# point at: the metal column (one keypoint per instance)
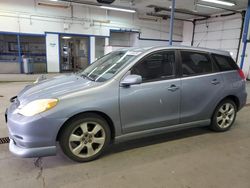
(19, 54)
(245, 35)
(172, 23)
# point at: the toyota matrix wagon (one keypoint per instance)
(126, 94)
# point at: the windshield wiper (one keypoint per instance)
(88, 77)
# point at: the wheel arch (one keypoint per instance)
(103, 115)
(234, 98)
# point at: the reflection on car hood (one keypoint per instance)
(55, 87)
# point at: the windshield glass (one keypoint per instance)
(107, 66)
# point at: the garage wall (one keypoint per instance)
(28, 17)
(132, 39)
(219, 33)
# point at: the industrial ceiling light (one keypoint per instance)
(118, 9)
(207, 6)
(220, 2)
(66, 37)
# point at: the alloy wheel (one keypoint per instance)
(225, 115)
(87, 139)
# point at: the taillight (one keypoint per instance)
(242, 75)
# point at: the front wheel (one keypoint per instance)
(85, 137)
(224, 116)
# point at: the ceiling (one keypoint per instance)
(142, 6)
(182, 4)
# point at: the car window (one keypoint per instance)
(195, 63)
(225, 63)
(106, 67)
(157, 66)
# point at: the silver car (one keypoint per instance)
(126, 94)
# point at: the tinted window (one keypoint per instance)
(157, 66)
(194, 63)
(225, 63)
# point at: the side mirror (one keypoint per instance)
(131, 79)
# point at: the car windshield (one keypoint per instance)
(107, 66)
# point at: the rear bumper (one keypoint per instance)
(31, 152)
(243, 100)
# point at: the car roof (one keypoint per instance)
(175, 47)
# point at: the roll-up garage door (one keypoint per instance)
(219, 33)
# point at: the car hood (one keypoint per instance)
(55, 87)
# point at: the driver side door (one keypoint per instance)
(156, 101)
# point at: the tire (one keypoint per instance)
(85, 137)
(224, 116)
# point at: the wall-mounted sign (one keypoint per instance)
(52, 44)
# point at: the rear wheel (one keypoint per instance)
(224, 116)
(85, 137)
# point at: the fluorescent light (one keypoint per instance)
(207, 6)
(226, 3)
(118, 9)
(66, 37)
(53, 0)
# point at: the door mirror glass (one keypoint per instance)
(131, 79)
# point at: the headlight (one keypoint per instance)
(38, 106)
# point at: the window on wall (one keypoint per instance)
(195, 63)
(157, 66)
(33, 48)
(8, 48)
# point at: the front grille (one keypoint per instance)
(4, 140)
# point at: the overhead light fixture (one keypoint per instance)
(207, 6)
(220, 2)
(53, 0)
(118, 9)
(66, 37)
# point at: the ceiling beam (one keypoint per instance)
(165, 17)
(182, 11)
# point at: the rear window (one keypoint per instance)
(225, 63)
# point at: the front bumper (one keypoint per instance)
(31, 152)
(32, 136)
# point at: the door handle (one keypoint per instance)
(173, 88)
(215, 82)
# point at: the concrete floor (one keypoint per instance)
(192, 158)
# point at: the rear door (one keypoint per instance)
(201, 86)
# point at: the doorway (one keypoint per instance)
(74, 52)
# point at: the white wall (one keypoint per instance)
(52, 51)
(92, 49)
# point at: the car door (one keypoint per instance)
(155, 102)
(201, 86)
